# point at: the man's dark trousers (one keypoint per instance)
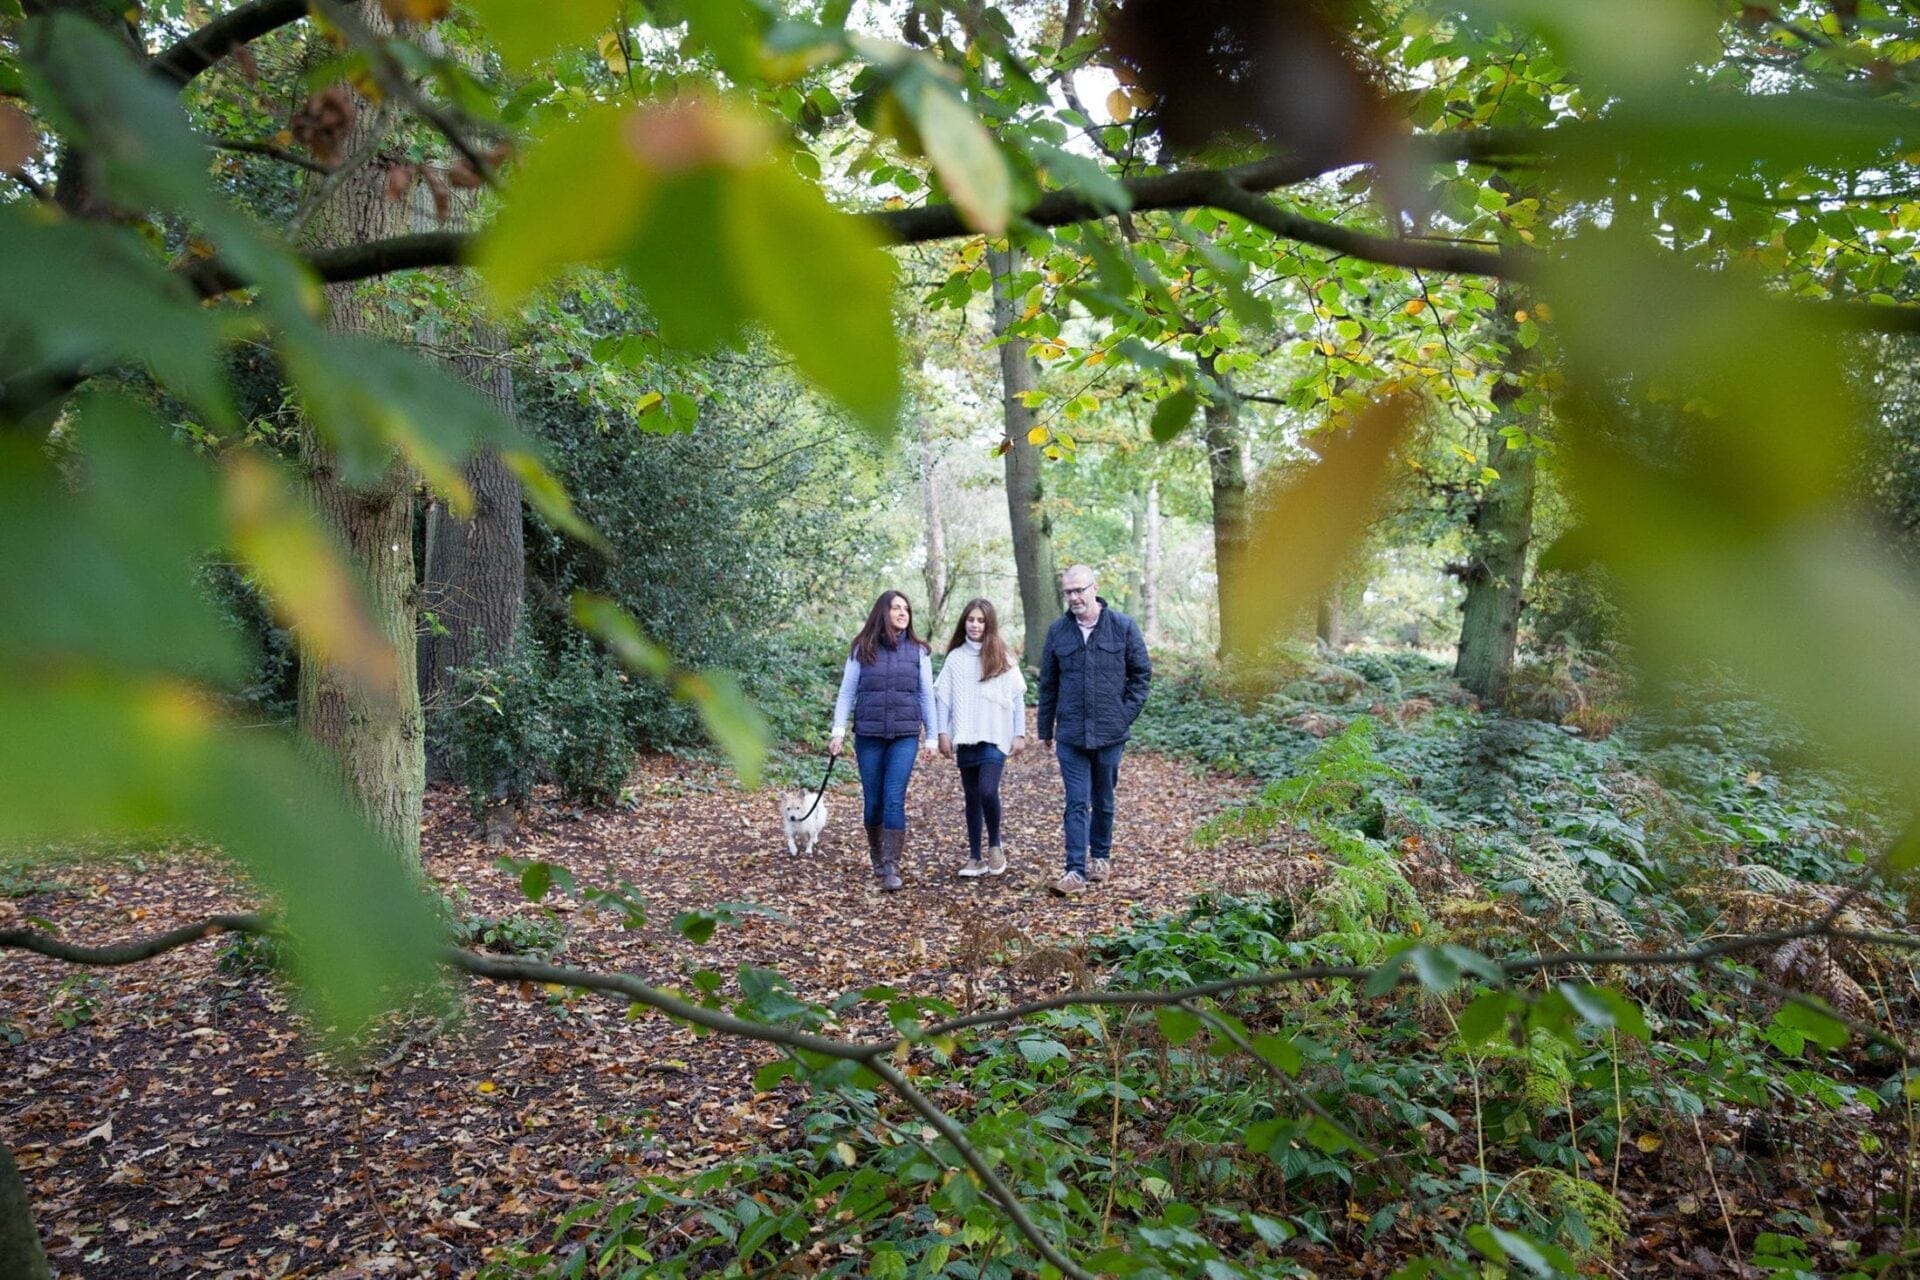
(1089, 775)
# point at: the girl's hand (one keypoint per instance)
(946, 746)
(1019, 745)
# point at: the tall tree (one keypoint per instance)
(1226, 446)
(1501, 525)
(1026, 487)
(936, 533)
(372, 734)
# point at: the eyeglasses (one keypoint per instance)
(1077, 591)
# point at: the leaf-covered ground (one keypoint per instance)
(170, 1120)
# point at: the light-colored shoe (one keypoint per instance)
(1100, 869)
(996, 860)
(973, 869)
(1068, 885)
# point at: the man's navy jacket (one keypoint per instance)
(1091, 691)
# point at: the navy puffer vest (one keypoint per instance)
(886, 702)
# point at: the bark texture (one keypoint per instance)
(374, 737)
(1227, 476)
(20, 1252)
(1502, 532)
(937, 585)
(1026, 486)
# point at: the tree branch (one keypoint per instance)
(271, 151)
(131, 952)
(210, 277)
(1003, 1195)
(214, 41)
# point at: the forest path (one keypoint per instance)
(179, 1125)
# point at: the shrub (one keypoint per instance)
(500, 734)
(592, 747)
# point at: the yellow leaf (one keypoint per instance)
(1648, 1142)
(1415, 306)
(1037, 435)
(612, 54)
(1120, 106)
(415, 10)
(1302, 532)
(485, 1086)
(305, 576)
(648, 402)
(848, 1156)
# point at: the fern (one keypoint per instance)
(1552, 874)
(1331, 782)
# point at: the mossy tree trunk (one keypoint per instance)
(1501, 531)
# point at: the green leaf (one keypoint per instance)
(1484, 1021)
(1821, 1027)
(1279, 1052)
(1177, 1025)
(535, 880)
(696, 927)
(1171, 415)
(1038, 1050)
(550, 498)
(730, 29)
(545, 220)
(964, 154)
(731, 719)
(86, 296)
(1538, 1258)
(1435, 969)
(525, 33)
(112, 756)
(822, 284)
(682, 262)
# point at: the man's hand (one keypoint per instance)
(1047, 743)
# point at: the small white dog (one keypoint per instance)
(798, 823)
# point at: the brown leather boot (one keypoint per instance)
(873, 848)
(892, 845)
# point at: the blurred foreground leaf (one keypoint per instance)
(731, 719)
(1303, 531)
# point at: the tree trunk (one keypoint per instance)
(1326, 622)
(374, 737)
(1502, 530)
(475, 573)
(1150, 567)
(936, 531)
(1026, 490)
(1227, 472)
(20, 1252)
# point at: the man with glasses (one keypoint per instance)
(1094, 674)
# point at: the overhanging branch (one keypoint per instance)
(214, 41)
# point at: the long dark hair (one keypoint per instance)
(876, 632)
(995, 657)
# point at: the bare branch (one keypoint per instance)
(236, 27)
(270, 150)
(131, 952)
(996, 1187)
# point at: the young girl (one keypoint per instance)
(887, 689)
(980, 708)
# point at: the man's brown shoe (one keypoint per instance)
(1100, 869)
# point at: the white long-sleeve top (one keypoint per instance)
(969, 709)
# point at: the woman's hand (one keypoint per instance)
(946, 746)
(833, 745)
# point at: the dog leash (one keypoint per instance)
(820, 792)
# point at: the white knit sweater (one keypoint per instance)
(969, 709)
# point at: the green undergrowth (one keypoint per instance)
(1405, 1107)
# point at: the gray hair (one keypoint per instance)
(1073, 569)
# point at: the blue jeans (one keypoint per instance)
(1089, 776)
(980, 765)
(885, 766)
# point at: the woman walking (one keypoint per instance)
(887, 689)
(980, 707)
